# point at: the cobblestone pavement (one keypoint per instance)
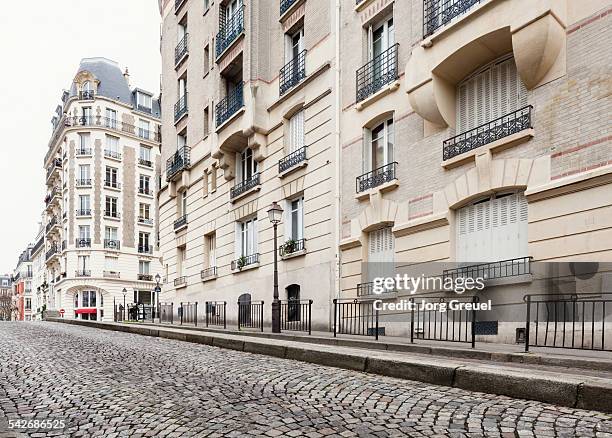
(112, 384)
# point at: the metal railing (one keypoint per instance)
(250, 315)
(145, 249)
(180, 107)
(229, 105)
(146, 163)
(180, 281)
(188, 312)
(118, 312)
(83, 182)
(292, 73)
(180, 223)
(181, 49)
(145, 191)
(208, 272)
(112, 244)
(83, 212)
(216, 313)
(82, 273)
(367, 289)
(377, 73)
(244, 186)
(51, 251)
(166, 313)
(229, 30)
(437, 13)
(291, 247)
(177, 162)
(112, 184)
(285, 5)
(83, 242)
(293, 159)
(355, 317)
(296, 315)
(103, 122)
(111, 274)
(82, 151)
(376, 177)
(490, 271)
(51, 224)
(112, 154)
(86, 95)
(452, 325)
(486, 133)
(112, 214)
(145, 277)
(55, 165)
(245, 261)
(568, 321)
(145, 220)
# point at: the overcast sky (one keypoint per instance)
(41, 46)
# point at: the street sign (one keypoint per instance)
(62, 311)
(157, 289)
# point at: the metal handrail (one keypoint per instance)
(292, 73)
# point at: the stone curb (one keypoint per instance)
(557, 388)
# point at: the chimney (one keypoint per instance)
(126, 75)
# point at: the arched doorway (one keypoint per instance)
(244, 308)
(293, 305)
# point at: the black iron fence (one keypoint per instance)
(489, 271)
(251, 315)
(292, 73)
(487, 133)
(433, 319)
(355, 317)
(229, 105)
(181, 49)
(285, 5)
(291, 160)
(178, 161)
(437, 13)
(181, 222)
(292, 247)
(209, 272)
(118, 312)
(166, 313)
(216, 313)
(229, 29)
(188, 313)
(245, 186)
(296, 315)
(380, 71)
(568, 321)
(180, 107)
(244, 261)
(376, 177)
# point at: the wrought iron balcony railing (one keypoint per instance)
(178, 162)
(83, 151)
(291, 160)
(376, 177)
(86, 95)
(180, 107)
(292, 247)
(230, 105)
(181, 49)
(83, 182)
(146, 163)
(111, 274)
(112, 154)
(285, 5)
(83, 212)
(489, 271)
(144, 133)
(145, 249)
(145, 277)
(179, 281)
(487, 133)
(112, 184)
(145, 191)
(245, 261)
(82, 273)
(105, 122)
(83, 242)
(55, 165)
(437, 13)
(112, 214)
(229, 30)
(244, 186)
(292, 73)
(377, 73)
(51, 251)
(51, 224)
(208, 272)
(144, 109)
(113, 244)
(178, 4)
(145, 220)
(180, 222)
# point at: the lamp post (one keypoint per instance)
(124, 309)
(157, 293)
(275, 213)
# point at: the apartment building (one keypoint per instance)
(248, 120)
(101, 166)
(22, 286)
(476, 134)
(6, 297)
(39, 271)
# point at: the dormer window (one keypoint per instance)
(87, 91)
(143, 102)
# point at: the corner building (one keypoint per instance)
(101, 225)
(249, 119)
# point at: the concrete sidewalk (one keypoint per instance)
(563, 386)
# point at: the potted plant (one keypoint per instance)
(241, 263)
(289, 246)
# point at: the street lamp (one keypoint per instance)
(124, 294)
(157, 292)
(275, 213)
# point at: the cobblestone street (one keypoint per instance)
(111, 384)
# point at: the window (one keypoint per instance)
(206, 5)
(210, 246)
(144, 210)
(145, 184)
(111, 177)
(182, 87)
(205, 183)
(381, 37)
(111, 118)
(143, 128)
(493, 91)
(143, 241)
(181, 140)
(379, 146)
(232, 7)
(84, 174)
(294, 45)
(89, 299)
(380, 254)
(111, 264)
(84, 232)
(84, 204)
(247, 238)
(112, 146)
(83, 263)
(145, 154)
(86, 117)
(28, 303)
(213, 179)
(206, 122)
(111, 207)
(110, 233)
(295, 222)
(181, 256)
(144, 101)
(296, 132)
(84, 142)
(206, 58)
(247, 166)
(183, 204)
(86, 86)
(144, 267)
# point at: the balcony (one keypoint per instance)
(83, 182)
(111, 274)
(112, 214)
(64, 245)
(56, 165)
(178, 4)
(487, 133)
(82, 273)
(83, 212)
(53, 195)
(52, 223)
(38, 245)
(245, 261)
(180, 108)
(112, 184)
(145, 277)
(83, 242)
(145, 191)
(112, 244)
(53, 250)
(376, 178)
(244, 186)
(83, 152)
(285, 5)
(180, 223)
(208, 273)
(229, 31)
(377, 73)
(145, 220)
(292, 73)
(145, 249)
(178, 162)
(367, 289)
(145, 163)
(112, 154)
(438, 13)
(230, 105)
(86, 95)
(292, 247)
(180, 51)
(493, 270)
(180, 281)
(292, 160)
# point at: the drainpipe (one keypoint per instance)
(337, 140)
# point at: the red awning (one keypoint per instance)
(80, 311)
